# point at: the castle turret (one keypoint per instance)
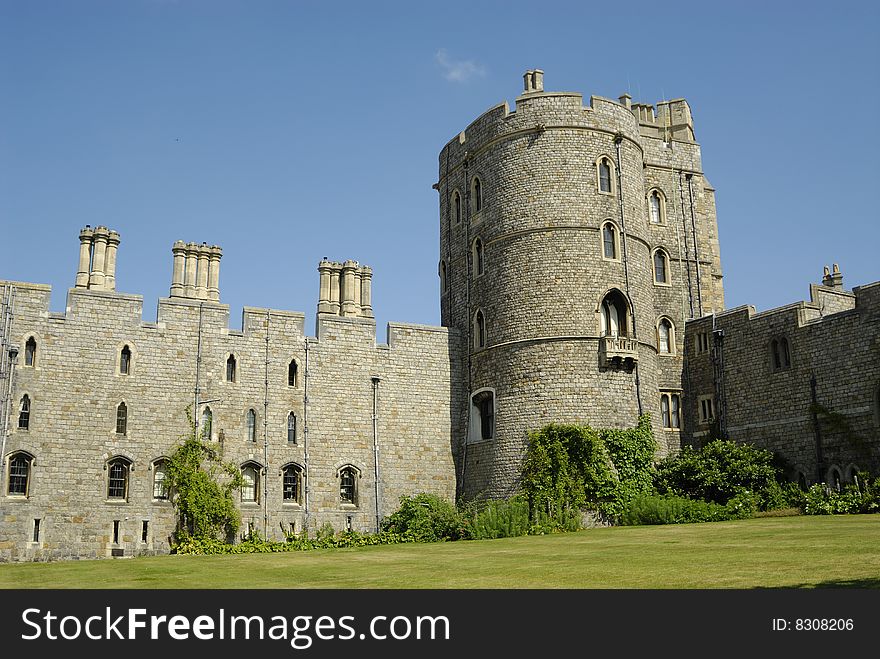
(565, 268)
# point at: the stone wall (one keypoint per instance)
(75, 387)
(835, 339)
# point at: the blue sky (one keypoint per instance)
(289, 131)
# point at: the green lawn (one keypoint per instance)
(768, 552)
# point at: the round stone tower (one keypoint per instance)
(575, 241)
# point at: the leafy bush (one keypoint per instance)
(672, 509)
(426, 518)
(821, 500)
(570, 467)
(254, 544)
(720, 471)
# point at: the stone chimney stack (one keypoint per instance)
(97, 259)
(196, 271)
(345, 289)
(533, 81)
(833, 279)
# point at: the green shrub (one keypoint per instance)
(254, 544)
(673, 509)
(498, 519)
(821, 500)
(719, 471)
(570, 467)
(425, 517)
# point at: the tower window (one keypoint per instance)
(477, 192)
(19, 475)
(160, 488)
(478, 257)
(30, 352)
(609, 241)
(291, 428)
(348, 485)
(24, 413)
(207, 422)
(292, 483)
(479, 329)
(482, 424)
(613, 315)
(665, 337)
(121, 419)
(117, 478)
(251, 426)
(251, 486)
(443, 277)
(670, 408)
(605, 169)
(456, 203)
(707, 409)
(656, 208)
(292, 374)
(661, 267)
(230, 369)
(125, 361)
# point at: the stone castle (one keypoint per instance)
(580, 281)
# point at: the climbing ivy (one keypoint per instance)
(571, 467)
(201, 487)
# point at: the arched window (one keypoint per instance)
(160, 488)
(614, 314)
(664, 410)
(479, 329)
(785, 354)
(251, 426)
(604, 172)
(292, 483)
(19, 474)
(250, 489)
(478, 257)
(125, 360)
(24, 413)
(661, 267)
(121, 419)
(207, 422)
(442, 277)
(774, 350)
(477, 194)
(835, 481)
(609, 241)
(292, 374)
(291, 428)
(348, 485)
(852, 474)
(456, 203)
(30, 352)
(665, 337)
(230, 369)
(656, 207)
(117, 478)
(675, 404)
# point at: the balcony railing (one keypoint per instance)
(617, 351)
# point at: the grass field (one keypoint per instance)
(783, 552)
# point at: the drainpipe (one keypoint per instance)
(195, 414)
(687, 255)
(718, 366)
(468, 324)
(375, 380)
(13, 359)
(306, 441)
(617, 141)
(689, 178)
(266, 437)
(816, 430)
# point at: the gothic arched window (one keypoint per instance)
(614, 314)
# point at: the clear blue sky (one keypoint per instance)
(288, 131)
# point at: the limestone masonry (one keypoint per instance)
(580, 283)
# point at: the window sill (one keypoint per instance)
(291, 505)
(663, 284)
(116, 502)
(250, 505)
(348, 506)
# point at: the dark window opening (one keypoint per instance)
(347, 486)
(115, 531)
(291, 484)
(614, 313)
(125, 361)
(24, 413)
(251, 426)
(291, 428)
(30, 352)
(117, 480)
(19, 473)
(230, 369)
(478, 195)
(121, 419)
(292, 374)
(609, 241)
(145, 531)
(36, 530)
(604, 175)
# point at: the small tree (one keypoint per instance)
(201, 488)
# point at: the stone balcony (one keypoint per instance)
(618, 351)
